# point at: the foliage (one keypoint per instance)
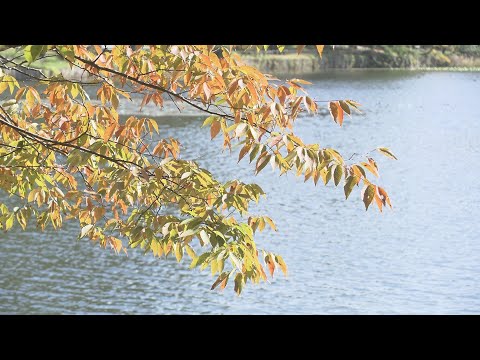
(69, 158)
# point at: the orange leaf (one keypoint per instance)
(377, 199)
(384, 196)
(300, 81)
(109, 131)
(270, 264)
(252, 90)
(333, 110)
(320, 49)
(371, 168)
(340, 114)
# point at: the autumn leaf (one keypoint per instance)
(385, 151)
(67, 158)
(368, 195)
(337, 176)
(238, 283)
(344, 106)
(349, 185)
(300, 48)
(215, 128)
(109, 131)
(333, 110)
(320, 49)
(270, 264)
(281, 263)
(340, 114)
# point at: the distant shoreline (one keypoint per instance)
(352, 59)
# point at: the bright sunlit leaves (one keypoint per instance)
(66, 157)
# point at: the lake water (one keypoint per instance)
(421, 257)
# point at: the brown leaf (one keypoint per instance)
(98, 212)
(333, 107)
(243, 152)
(215, 128)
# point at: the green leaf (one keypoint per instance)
(368, 196)
(385, 151)
(238, 283)
(337, 176)
(32, 52)
(351, 182)
(254, 152)
(209, 120)
(344, 106)
(9, 222)
(329, 175)
(354, 104)
(199, 260)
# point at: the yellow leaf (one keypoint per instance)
(387, 153)
(369, 166)
(281, 263)
(178, 252)
(215, 128)
(270, 222)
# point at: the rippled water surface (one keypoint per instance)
(422, 257)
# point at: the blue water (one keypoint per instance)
(421, 257)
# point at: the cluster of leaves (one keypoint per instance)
(67, 157)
